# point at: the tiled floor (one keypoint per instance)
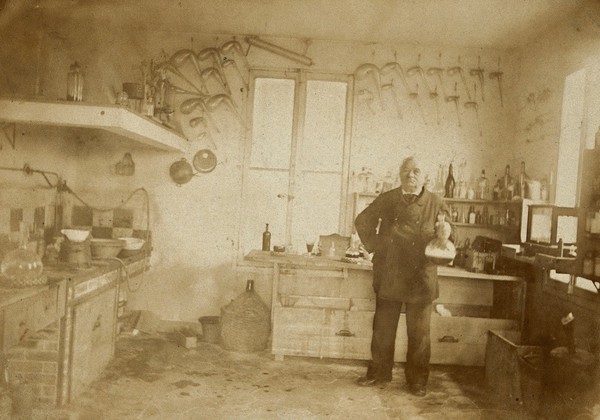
(152, 378)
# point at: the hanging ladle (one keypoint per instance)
(370, 71)
(479, 73)
(473, 105)
(498, 76)
(454, 98)
(394, 69)
(457, 69)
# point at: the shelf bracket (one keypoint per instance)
(10, 132)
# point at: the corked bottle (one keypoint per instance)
(246, 322)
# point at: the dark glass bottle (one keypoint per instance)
(266, 239)
(250, 285)
(450, 184)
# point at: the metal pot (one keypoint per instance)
(181, 172)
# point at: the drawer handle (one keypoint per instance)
(344, 333)
(448, 339)
(97, 324)
(24, 332)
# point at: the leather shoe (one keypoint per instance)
(417, 390)
(366, 381)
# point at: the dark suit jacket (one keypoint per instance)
(401, 271)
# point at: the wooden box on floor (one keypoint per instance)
(512, 370)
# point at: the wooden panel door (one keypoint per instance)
(92, 345)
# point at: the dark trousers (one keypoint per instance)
(385, 324)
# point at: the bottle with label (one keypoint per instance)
(450, 184)
(482, 186)
(472, 215)
(485, 216)
(266, 239)
(507, 185)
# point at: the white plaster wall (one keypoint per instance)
(195, 226)
(544, 65)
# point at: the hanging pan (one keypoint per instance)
(205, 161)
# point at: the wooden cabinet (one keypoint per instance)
(325, 308)
(31, 313)
(92, 344)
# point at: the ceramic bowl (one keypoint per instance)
(75, 235)
(106, 248)
(133, 243)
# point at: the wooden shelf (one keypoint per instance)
(482, 226)
(112, 118)
(483, 202)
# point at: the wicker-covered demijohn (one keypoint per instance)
(246, 322)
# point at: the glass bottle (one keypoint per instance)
(266, 239)
(507, 185)
(75, 83)
(482, 186)
(521, 184)
(497, 189)
(472, 215)
(450, 184)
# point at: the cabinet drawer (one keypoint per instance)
(18, 323)
(45, 309)
(462, 340)
(320, 332)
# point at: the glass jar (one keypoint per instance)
(21, 264)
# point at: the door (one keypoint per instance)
(93, 341)
(296, 161)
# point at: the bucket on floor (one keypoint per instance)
(211, 329)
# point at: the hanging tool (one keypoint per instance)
(370, 72)
(434, 95)
(275, 49)
(439, 73)
(366, 96)
(234, 49)
(458, 69)
(189, 105)
(216, 58)
(415, 96)
(454, 98)
(418, 70)
(394, 71)
(479, 73)
(389, 87)
(473, 105)
(209, 72)
(498, 76)
(389, 74)
(215, 101)
(177, 60)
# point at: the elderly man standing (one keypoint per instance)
(396, 227)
